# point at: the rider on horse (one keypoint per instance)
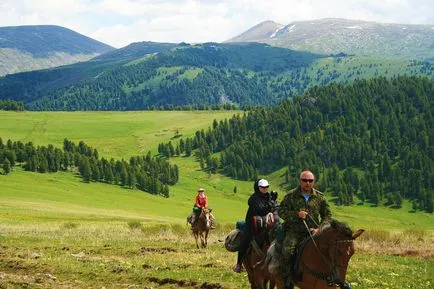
(303, 209)
(261, 203)
(201, 203)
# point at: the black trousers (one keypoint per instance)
(246, 237)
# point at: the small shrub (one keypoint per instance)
(414, 233)
(224, 228)
(178, 229)
(155, 229)
(135, 225)
(376, 235)
(70, 225)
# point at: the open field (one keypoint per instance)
(107, 253)
(58, 232)
(114, 134)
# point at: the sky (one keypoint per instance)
(121, 22)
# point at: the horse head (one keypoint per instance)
(327, 256)
(204, 215)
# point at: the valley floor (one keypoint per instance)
(120, 254)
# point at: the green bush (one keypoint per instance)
(70, 225)
(135, 225)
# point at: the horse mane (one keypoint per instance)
(334, 224)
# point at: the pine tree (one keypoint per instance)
(6, 166)
(85, 169)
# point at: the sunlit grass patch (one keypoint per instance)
(410, 242)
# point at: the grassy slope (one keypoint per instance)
(123, 134)
(77, 232)
(118, 135)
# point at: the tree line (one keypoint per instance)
(11, 105)
(146, 173)
(371, 139)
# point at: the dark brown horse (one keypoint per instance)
(324, 258)
(201, 228)
(254, 262)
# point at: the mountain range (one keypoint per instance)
(25, 48)
(240, 72)
(333, 36)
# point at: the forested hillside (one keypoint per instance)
(146, 173)
(370, 140)
(169, 76)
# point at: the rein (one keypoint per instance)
(331, 277)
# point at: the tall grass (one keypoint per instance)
(153, 255)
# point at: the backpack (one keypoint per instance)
(232, 242)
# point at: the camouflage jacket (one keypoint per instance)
(294, 201)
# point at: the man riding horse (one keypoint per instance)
(303, 209)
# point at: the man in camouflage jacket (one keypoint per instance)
(302, 204)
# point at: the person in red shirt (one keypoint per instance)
(200, 203)
(201, 199)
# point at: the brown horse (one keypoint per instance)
(201, 228)
(254, 262)
(323, 258)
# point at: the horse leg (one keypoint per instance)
(196, 236)
(202, 239)
(206, 238)
(278, 282)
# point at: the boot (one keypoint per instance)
(345, 285)
(237, 268)
(213, 221)
(288, 284)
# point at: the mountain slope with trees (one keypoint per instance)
(201, 74)
(146, 173)
(24, 48)
(370, 140)
(155, 76)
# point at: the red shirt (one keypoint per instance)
(201, 201)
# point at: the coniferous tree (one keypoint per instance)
(6, 166)
(85, 169)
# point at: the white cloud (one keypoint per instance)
(120, 22)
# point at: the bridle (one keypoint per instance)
(331, 277)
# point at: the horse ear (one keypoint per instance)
(358, 233)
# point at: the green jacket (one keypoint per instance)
(294, 201)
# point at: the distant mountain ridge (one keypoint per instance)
(259, 32)
(25, 48)
(148, 75)
(333, 36)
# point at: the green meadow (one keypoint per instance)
(58, 232)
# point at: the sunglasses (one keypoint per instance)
(264, 187)
(307, 180)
